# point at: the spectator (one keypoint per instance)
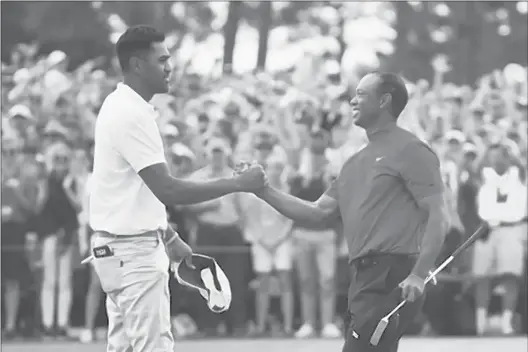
(455, 140)
(260, 115)
(315, 244)
(502, 204)
(83, 174)
(182, 160)
(469, 184)
(15, 215)
(23, 123)
(218, 229)
(170, 135)
(53, 133)
(271, 248)
(58, 224)
(34, 190)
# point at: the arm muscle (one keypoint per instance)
(170, 190)
(324, 210)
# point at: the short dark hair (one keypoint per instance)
(135, 40)
(394, 85)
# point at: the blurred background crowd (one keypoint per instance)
(269, 82)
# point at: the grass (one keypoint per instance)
(511, 344)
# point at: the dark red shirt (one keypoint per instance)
(378, 189)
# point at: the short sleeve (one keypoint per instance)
(420, 171)
(139, 142)
(332, 190)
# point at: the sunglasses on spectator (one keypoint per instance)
(61, 159)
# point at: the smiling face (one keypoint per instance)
(366, 104)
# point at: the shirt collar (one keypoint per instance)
(135, 98)
(381, 130)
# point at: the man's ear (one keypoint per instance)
(134, 64)
(385, 100)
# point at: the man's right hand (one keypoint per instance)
(252, 178)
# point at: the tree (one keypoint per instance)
(230, 32)
(72, 27)
(265, 13)
(478, 37)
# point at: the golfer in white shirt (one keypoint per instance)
(131, 185)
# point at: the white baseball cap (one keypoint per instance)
(21, 111)
(208, 278)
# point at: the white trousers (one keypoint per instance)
(57, 271)
(503, 253)
(136, 280)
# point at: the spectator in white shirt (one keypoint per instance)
(502, 204)
(270, 235)
(219, 229)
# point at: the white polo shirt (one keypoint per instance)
(127, 140)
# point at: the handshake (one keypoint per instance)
(250, 177)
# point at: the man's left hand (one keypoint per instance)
(412, 287)
(178, 251)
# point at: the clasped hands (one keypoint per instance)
(250, 176)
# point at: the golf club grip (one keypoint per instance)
(470, 240)
(462, 247)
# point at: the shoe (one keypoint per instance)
(48, 333)
(306, 331)
(331, 331)
(87, 336)
(240, 332)
(62, 333)
(9, 335)
(507, 329)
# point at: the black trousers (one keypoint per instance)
(373, 279)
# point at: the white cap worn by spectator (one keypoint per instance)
(455, 136)
(469, 148)
(22, 111)
(181, 150)
(169, 130)
(476, 107)
(56, 57)
(55, 128)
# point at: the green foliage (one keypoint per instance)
(474, 46)
(73, 27)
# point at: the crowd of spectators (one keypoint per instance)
(302, 134)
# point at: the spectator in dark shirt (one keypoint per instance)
(468, 189)
(58, 223)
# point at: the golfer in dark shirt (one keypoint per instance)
(390, 198)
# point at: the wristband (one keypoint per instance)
(172, 239)
(170, 235)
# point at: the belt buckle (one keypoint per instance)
(366, 262)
